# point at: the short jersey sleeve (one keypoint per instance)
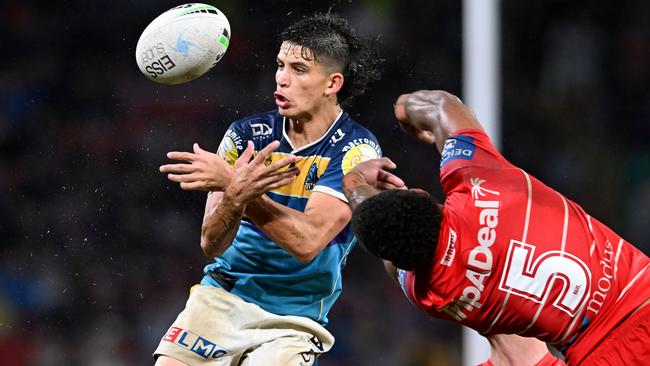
(358, 146)
(405, 280)
(469, 148)
(233, 142)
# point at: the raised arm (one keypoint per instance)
(305, 234)
(432, 115)
(248, 181)
(368, 178)
(220, 223)
(301, 234)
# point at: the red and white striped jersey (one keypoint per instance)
(516, 257)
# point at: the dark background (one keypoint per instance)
(99, 249)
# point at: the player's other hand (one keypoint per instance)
(375, 174)
(407, 124)
(252, 178)
(198, 170)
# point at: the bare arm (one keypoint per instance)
(302, 234)
(511, 349)
(220, 223)
(432, 115)
(305, 234)
(248, 181)
(356, 189)
(368, 178)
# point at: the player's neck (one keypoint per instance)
(305, 130)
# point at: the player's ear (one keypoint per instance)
(334, 83)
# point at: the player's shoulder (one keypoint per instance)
(347, 134)
(270, 119)
(354, 129)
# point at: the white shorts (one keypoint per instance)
(219, 328)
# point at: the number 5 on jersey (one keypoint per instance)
(534, 278)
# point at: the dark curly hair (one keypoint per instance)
(332, 41)
(401, 226)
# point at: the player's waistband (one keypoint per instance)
(226, 281)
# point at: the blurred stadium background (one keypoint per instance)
(99, 249)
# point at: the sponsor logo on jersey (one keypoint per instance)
(228, 147)
(261, 129)
(356, 155)
(336, 137)
(457, 147)
(364, 141)
(194, 343)
(479, 258)
(604, 284)
(450, 252)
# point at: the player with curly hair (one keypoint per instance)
(277, 225)
(506, 255)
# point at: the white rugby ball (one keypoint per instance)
(183, 43)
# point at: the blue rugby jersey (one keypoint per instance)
(254, 267)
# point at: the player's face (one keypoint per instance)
(301, 85)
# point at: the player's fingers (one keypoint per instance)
(177, 168)
(181, 155)
(266, 152)
(246, 155)
(272, 179)
(390, 178)
(197, 149)
(280, 182)
(384, 186)
(283, 182)
(386, 163)
(282, 163)
(291, 172)
(178, 178)
(421, 135)
(193, 186)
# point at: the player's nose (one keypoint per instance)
(282, 78)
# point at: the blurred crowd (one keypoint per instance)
(99, 249)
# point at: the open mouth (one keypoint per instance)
(281, 100)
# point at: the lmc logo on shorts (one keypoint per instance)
(194, 343)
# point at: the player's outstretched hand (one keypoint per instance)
(375, 174)
(252, 178)
(198, 170)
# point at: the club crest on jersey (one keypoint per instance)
(312, 177)
(458, 147)
(194, 343)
